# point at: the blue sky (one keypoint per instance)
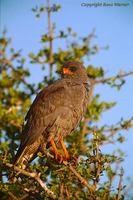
(114, 27)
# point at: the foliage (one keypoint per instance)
(96, 173)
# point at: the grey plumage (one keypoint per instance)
(55, 112)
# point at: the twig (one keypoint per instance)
(33, 91)
(35, 176)
(24, 197)
(80, 178)
(120, 184)
(48, 191)
(7, 63)
(12, 196)
(50, 40)
(84, 129)
(125, 125)
(130, 188)
(24, 81)
(114, 78)
(97, 164)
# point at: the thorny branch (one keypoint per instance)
(48, 191)
(80, 178)
(36, 177)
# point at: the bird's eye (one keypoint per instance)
(72, 68)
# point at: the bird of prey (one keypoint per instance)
(55, 113)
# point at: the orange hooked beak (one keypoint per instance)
(67, 71)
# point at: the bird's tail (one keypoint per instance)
(25, 154)
(27, 150)
(21, 161)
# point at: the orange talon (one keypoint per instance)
(61, 159)
(64, 149)
(54, 149)
(56, 154)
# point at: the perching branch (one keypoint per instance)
(44, 187)
(79, 177)
(35, 176)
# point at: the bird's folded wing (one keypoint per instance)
(42, 112)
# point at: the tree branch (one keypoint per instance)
(12, 196)
(97, 163)
(113, 78)
(35, 176)
(120, 185)
(79, 177)
(50, 40)
(123, 126)
(48, 191)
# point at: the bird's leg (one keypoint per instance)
(64, 149)
(54, 148)
(56, 153)
(67, 156)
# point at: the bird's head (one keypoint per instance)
(74, 69)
